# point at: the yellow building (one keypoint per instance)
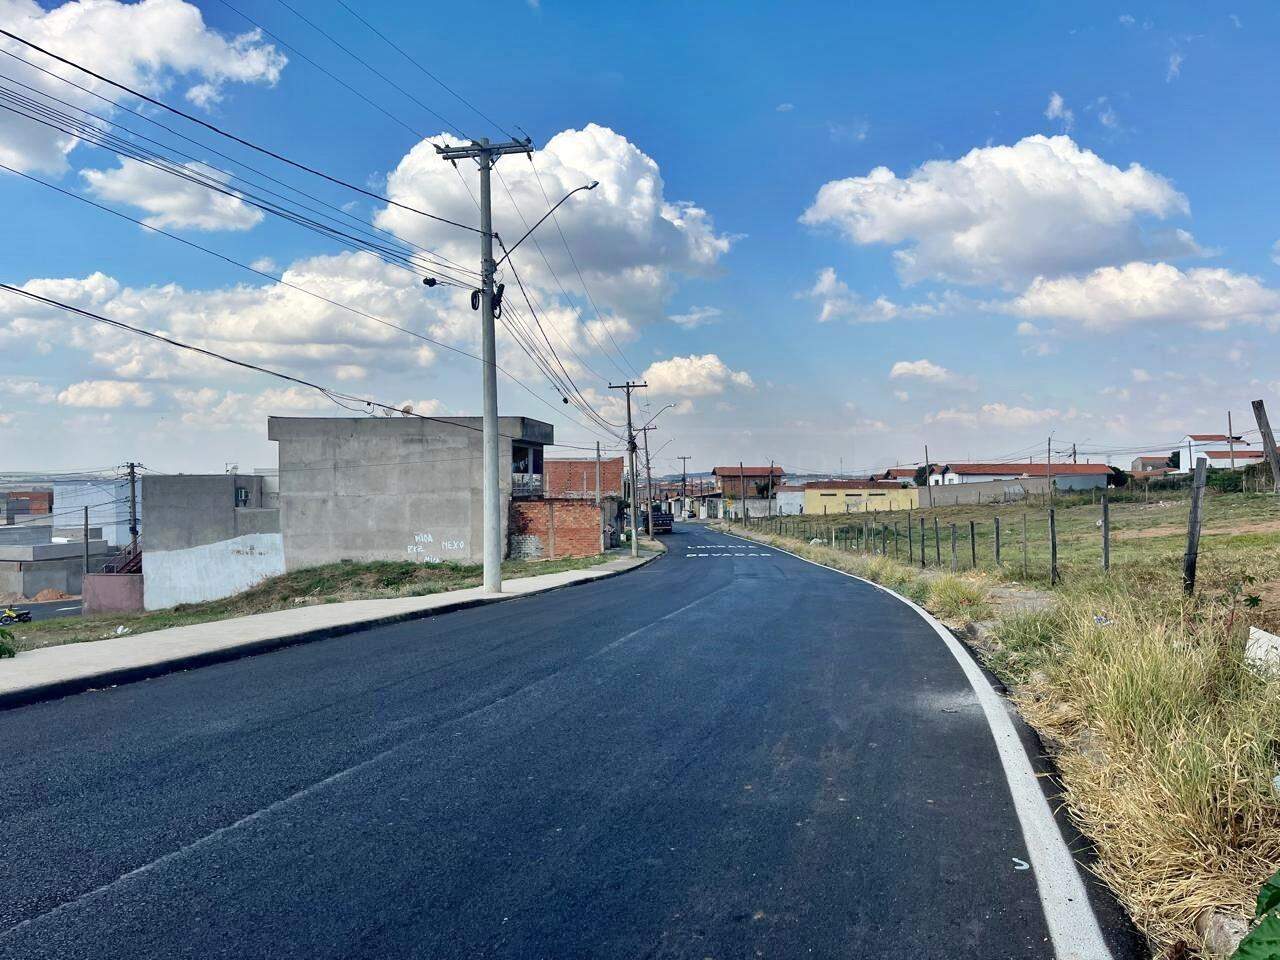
(857, 496)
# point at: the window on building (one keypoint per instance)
(520, 457)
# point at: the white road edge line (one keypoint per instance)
(1069, 915)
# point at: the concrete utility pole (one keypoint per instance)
(684, 475)
(133, 507)
(1231, 440)
(1048, 464)
(769, 502)
(631, 457)
(485, 155)
(648, 480)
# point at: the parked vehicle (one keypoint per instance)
(11, 615)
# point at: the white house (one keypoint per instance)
(1221, 451)
(1066, 476)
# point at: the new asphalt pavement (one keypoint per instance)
(728, 753)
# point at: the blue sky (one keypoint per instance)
(1016, 220)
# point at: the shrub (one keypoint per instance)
(954, 598)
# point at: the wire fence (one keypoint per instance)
(1036, 542)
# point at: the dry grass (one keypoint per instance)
(1167, 745)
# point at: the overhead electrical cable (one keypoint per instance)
(337, 211)
(237, 139)
(293, 286)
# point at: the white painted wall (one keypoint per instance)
(790, 502)
(210, 571)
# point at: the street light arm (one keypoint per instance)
(657, 415)
(507, 253)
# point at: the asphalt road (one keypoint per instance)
(728, 753)
(47, 611)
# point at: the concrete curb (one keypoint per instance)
(56, 690)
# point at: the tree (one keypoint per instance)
(922, 475)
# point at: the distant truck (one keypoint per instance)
(662, 520)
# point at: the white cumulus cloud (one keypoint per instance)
(146, 45)
(1005, 214)
(1151, 293)
(920, 369)
(629, 239)
(105, 394)
(693, 376)
(171, 201)
(837, 302)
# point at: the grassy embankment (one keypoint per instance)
(331, 583)
(1167, 741)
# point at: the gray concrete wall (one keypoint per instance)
(191, 510)
(27, 578)
(987, 491)
(397, 488)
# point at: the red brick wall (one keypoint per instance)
(41, 501)
(554, 528)
(576, 478)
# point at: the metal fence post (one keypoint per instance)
(973, 545)
(997, 519)
(955, 563)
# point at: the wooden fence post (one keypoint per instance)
(895, 540)
(1268, 443)
(1053, 548)
(911, 541)
(924, 561)
(937, 543)
(997, 541)
(1193, 530)
(954, 561)
(1106, 532)
(1024, 545)
(973, 545)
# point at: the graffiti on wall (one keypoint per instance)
(425, 548)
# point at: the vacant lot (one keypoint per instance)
(1240, 539)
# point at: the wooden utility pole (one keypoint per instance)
(1193, 529)
(1268, 443)
(1231, 440)
(1106, 531)
(1053, 548)
(1024, 545)
(928, 480)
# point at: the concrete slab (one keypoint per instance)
(52, 672)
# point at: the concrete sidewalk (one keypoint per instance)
(52, 672)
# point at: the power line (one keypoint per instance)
(74, 127)
(370, 67)
(425, 71)
(244, 364)
(116, 104)
(237, 139)
(293, 286)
